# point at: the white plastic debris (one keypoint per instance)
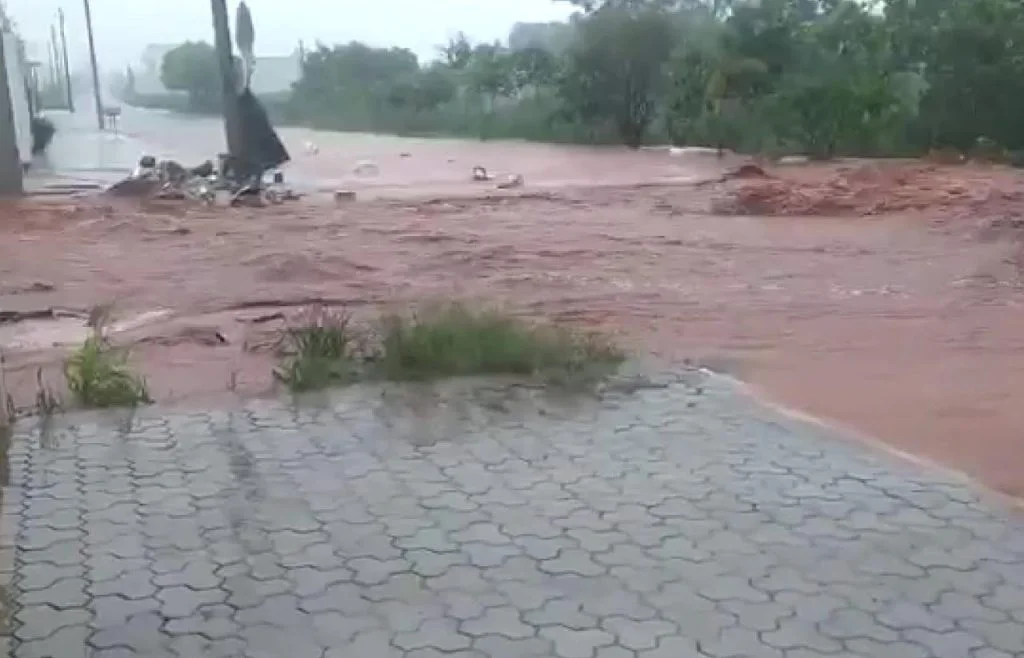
(513, 180)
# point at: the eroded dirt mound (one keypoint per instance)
(869, 189)
(748, 171)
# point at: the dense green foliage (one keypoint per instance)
(824, 77)
(192, 68)
(324, 348)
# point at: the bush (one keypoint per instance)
(324, 349)
(98, 376)
(453, 340)
(318, 351)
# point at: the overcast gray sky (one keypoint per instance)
(124, 27)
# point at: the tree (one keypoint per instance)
(489, 76)
(491, 73)
(425, 90)
(553, 37)
(840, 88)
(972, 57)
(457, 52)
(823, 77)
(357, 83)
(191, 68)
(532, 67)
(816, 75)
(687, 101)
(615, 73)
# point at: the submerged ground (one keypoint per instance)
(890, 303)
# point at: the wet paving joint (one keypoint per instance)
(637, 525)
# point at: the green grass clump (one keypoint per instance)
(323, 349)
(453, 340)
(318, 351)
(98, 376)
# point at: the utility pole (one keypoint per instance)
(226, 63)
(56, 72)
(67, 66)
(11, 172)
(51, 53)
(95, 68)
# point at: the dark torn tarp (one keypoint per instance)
(261, 151)
(261, 147)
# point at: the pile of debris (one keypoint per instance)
(169, 180)
(250, 176)
(480, 174)
(868, 189)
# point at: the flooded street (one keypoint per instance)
(906, 326)
(407, 166)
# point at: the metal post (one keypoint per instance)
(32, 90)
(51, 54)
(67, 66)
(226, 63)
(11, 172)
(95, 68)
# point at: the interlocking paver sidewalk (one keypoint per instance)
(637, 526)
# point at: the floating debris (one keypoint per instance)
(513, 180)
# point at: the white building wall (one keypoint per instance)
(16, 77)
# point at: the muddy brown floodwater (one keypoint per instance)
(898, 314)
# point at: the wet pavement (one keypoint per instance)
(82, 155)
(79, 148)
(674, 521)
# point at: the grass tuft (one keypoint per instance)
(453, 340)
(324, 349)
(318, 351)
(47, 401)
(98, 375)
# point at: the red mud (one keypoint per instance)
(907, 326)
(864, 189)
